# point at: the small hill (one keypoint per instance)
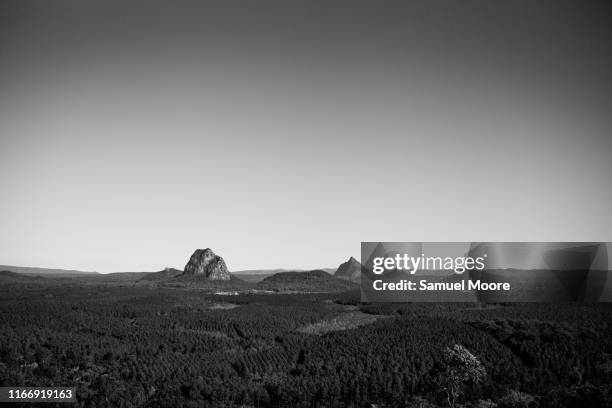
(122, 276)
(309, 281)
(252, 278)
(305, 276)
(167, 273)
(256, 275)
(350, 270)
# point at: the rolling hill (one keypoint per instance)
(310, 281)
(165, 274)
(9, 276)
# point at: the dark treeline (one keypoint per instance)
(130, 347)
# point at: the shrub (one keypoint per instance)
(516, 399)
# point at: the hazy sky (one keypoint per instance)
(284, 134)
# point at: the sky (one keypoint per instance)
(282, 134)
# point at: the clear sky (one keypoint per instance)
(282, 134)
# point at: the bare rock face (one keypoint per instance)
(206, 263)
(350, 270)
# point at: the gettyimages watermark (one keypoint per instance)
(485, 272)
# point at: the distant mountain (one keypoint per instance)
(59, 273)
(276, 270)
(350, 270)
(167, 273)
(310, 281)
(260, 271)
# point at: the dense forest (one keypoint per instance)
(136, 346)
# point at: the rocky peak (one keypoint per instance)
(350, 270)
(206, 263)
